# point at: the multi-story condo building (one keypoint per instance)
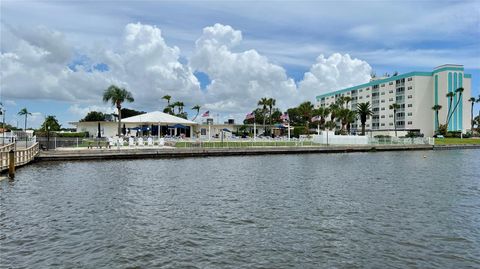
(416, 93)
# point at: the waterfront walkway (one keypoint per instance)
(171, 152)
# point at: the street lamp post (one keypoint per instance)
(3, 111)
(48, 137)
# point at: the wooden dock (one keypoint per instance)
(22, 156)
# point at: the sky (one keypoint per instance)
(57, 57)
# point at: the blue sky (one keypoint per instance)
(69, 51)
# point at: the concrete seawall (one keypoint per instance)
(103, 154)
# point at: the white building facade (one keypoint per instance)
(416, 93)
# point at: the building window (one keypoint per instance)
(383, 116)
(410, 87)
(409, 123)
(409, 97)
(409, 79)
(203, 131)
(383, 100)
(391, 124)
(391, 99)
(391, 91)
(361, 97)
(383, 124)
(367, 96)
(361, 90)
(390, 116)
(383, 85)
(410, 114)
(383, 108)
(368, 125)
(383, 93)
(409, 105)
(391, 83)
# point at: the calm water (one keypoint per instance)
(365, 210)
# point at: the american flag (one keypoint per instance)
(285, 117)
(250, 116)
(316, 118)
(206, 114)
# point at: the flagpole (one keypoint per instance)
(254, 128)
(288, 130)
(209, 134)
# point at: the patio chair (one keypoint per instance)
(120, 141)
(140, 141)
(111, 142)
(150, 141)
(161, 142)
(131, 142)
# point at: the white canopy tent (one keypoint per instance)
(160, 119)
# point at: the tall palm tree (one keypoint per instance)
(473, 100)
(167, 97)
(264, 104)
(351, 118)
(117, 96)
(364, 110)
(460, 92)
(343, 117)
(197, 108)
(394, 106)
(450, 99)
(347, 100)
(271, 104)
(323, 113)
(334, 108)
(26, 113)
(306, 110)
(437, 108)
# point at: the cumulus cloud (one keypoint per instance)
(42, 64)
(33, 68)
(238, 79)
(80, 111)
(333, 73)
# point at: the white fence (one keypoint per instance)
(329, 138)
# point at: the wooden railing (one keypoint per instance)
(22, 155)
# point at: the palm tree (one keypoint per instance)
(26, 113)
(342, 116)
(334, 108)
(460, 92)
(264, 104)
(450, 99)
(271, 104)
(363, 109)
(306, 110)
(351, 118)
(347, 100)
(437, 108)
(167, 97)
(473, 100)
(179, 105)
(394, 106)
(117, 96)
(197, 108)
(323, 113)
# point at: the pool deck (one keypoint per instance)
(170, 152)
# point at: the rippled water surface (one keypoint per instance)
(365, 210)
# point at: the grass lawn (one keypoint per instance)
(457, 141)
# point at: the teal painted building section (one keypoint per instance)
(431, 86)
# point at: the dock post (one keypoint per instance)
(11, 164)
